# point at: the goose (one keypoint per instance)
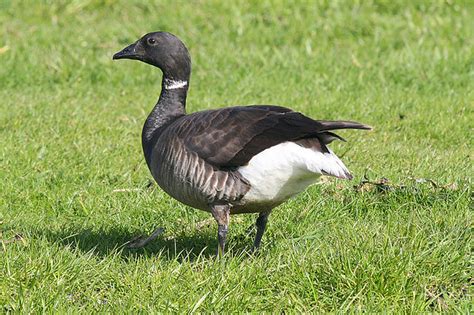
(241, 159)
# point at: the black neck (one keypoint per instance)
(170, 106)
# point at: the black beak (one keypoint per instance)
(128, 52)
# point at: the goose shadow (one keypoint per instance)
(189, 245)
(185, 246)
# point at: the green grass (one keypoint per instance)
(70, 123)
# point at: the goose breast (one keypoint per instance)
(184, 175)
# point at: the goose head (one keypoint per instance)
(162, 50)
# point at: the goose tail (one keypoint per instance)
(342, 124)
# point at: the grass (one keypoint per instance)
(75, 186)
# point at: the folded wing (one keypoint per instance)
(230, 137)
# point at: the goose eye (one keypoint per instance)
(151, 41)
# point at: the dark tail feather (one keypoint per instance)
(327, 137)
(341, 124)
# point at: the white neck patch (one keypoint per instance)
(174, 84)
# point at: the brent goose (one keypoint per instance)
(242, 159)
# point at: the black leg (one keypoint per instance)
(221, 214)
(261, 224)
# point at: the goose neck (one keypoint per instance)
(170, 106)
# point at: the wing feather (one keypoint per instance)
(230, 137)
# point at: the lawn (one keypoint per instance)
(75, 187)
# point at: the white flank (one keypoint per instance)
(286, 169)
(174, 84)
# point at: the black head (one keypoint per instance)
(162, 50)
